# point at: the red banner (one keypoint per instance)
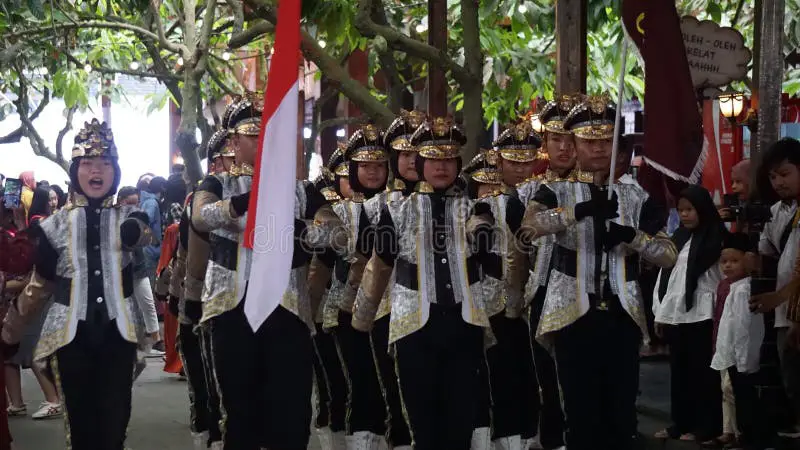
(724, 151)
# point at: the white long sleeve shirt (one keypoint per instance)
(769, 244)
(740, 332)
(671, 309)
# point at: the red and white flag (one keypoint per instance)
(270, 222)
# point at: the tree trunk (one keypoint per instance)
(473, 84)
(186, 138)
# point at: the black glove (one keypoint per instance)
(172, 304)
(240, 203)
(618, 234)
(194, 311)
(129, 232)
(599, 206)
(482, 209)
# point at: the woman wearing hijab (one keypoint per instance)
(683, 304)
(28, 185)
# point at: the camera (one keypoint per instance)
(755, 214)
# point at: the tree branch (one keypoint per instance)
(339, 121)
(63, 132)
(17, 134)
(355, 91)
(238, 15)
(252, 32)
(99, 24)
(399, 41)
(201, 52)
(212, 73)
(134, 73)
(161, 38)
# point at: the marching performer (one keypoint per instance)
(83, 261)
(194, 341)
(514, 395)
(559, 145)
(437, 317)
(273, 364)
(329, 422)
(404, 177)
(367, 161)
(592, 309)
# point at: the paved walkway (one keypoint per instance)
(159, 419)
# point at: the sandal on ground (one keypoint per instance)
(687, 437)
(667, 433)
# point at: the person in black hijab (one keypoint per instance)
(684, 310)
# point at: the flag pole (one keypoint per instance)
(618, 118)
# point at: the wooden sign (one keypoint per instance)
(717, 55)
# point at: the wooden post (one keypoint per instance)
(437, 37)
(358, 68)
(570, 46)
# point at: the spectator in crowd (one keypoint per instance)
(684, 308)
(28, 185)
(174, 197)
(23, 359)
(149, 201)
(781, 239)
(144, 181)
(62, 196)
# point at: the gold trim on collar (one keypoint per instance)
(582, 176)
(396, 185)
(358, 197)
(440, 151)
(243, 169)
(330, 194)
(424, 187)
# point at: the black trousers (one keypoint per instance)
(437, 369)
(483, 404)
(366, 410)
(331, 384)
(598, 367)
(695, 390)
(551, 416)
(397, 432)
(190, 350)
(515, 400)
(214, 414)
(265, 380)
(95, 379)
(752, 414)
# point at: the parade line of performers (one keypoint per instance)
(430, 306)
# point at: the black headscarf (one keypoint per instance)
(355, 183)
(75, 185)
(459, 181)
(706, 246)
(40, 205)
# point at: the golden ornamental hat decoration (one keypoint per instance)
(337, 164)
(518, 142)
(366, 145)
(226, 116)
(439, 138)
(554, 113)
(398, 135)
(245, 115)
(94, 139)
(593, 118)
(217, 145)
(483, 168)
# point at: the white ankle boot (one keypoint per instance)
(481, 439)
(364, 440)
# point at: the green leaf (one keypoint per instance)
(715, 11)
(36, 8)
